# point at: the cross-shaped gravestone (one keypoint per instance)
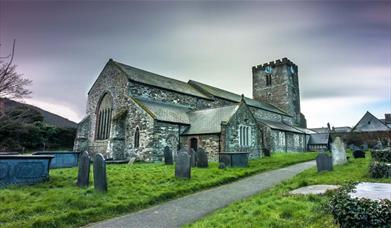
(168, 156)
(202, 158)
(324, 162)
(83, 175)
(100, 178)
(182, 165)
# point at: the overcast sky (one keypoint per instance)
(343, 49)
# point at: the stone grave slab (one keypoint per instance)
(324, 162)
(372, 191)
(168, 160)
(182, 165)
(314, 189)
(100, 177)
(202, 158)
(83, 175)
(338, 152)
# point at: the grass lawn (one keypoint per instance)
(59, 203)
(276, 208)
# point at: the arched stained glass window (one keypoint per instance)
(103, 119)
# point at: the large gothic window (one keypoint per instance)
(103, 120)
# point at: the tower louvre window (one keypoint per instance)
(268, 80)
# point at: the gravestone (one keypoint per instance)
(83, 175)
(100, 178)
(131, 160)
(193, 158)
(221, 165)
(324, 162)
(168, 156)
(358, 154)
(338, 152)
(266, 152)
(202, 158)
(182, 165)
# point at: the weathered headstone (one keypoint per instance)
(202, 158)
(193, 158)
(83, 175)
(182, 165)
(324, 162)
(100, 178)
(168, 156)
(338, 152)
(358, 154)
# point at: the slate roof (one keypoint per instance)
(164, 111)
(220, 93)
(305, 130)
(208, 121)
(342, 129)
(319, 139)
(320, 130)
(370, 123)
(160, 81)
(280, 126)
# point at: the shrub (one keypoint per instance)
(355, 212)
(382, 155)
(380, 169)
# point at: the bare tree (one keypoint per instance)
(12, 84)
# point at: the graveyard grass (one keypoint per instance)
(276, 208)
(59, 203)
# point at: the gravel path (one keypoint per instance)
(190, 208)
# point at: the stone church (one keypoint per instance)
(136, 113)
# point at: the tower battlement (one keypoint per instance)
(276, 63)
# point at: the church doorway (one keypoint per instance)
(194, 144)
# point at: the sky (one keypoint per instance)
(342, 48)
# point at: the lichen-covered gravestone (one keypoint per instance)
(182, 165)
(338, 152)
(202, 158)
(168, 156)
(100, 178)
(324, 162)
(83, 175)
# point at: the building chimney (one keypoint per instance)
(387, 118)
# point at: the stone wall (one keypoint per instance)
(166, 134)
(81, 140)
(283, 141)
(243, 116)
(209, 142)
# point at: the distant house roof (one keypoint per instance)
(305, 130)
(280, 126)
(160, 81)
(208, 121)
(370, 123)
(319, 139)
(342, 129)
(220, 93)
(166, 112)
(320, 130)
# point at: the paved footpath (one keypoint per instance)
(190, 208)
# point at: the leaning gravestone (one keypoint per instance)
(338, 152)
(193, 158)
(202, 158)
(324, 162)
(100, 178)
(83, 175)
(182, 165)
(168, 156)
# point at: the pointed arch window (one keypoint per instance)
(103, 120)
(137, 138)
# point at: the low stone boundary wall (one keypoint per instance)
(24, 169)
(62, 159)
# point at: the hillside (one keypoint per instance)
(48, 117)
